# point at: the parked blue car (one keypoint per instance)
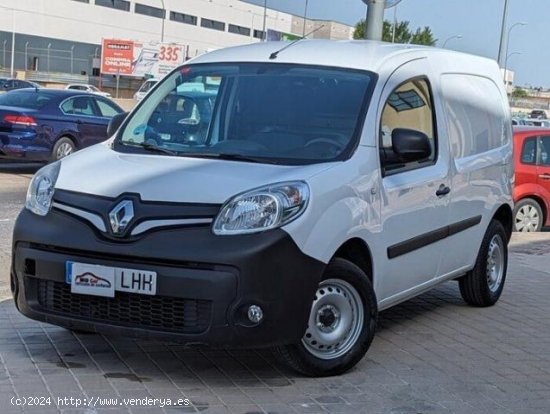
(49, 124)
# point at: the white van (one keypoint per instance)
(283, 205)
(145, 88)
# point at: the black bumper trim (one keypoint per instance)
(231, 272)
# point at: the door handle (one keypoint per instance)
(544, 176)
(443, 190)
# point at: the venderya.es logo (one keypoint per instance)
(89, 279)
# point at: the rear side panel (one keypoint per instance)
(480, 139)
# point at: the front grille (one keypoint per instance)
(162, 313)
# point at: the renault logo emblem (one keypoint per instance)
(121, 216)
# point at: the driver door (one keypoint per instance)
(415, 203)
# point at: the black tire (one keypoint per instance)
(476, 287)
(524, 206)
(298, 357)
(59, 151)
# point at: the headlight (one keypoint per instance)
(262, 209)
(41, 188)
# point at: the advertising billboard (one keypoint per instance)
(117, 56)
(140, 59)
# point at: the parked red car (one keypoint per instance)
(532, 187)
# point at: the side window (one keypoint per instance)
(107, 109)
(545, 151)
(529, 151)
(79, 105)
(408, 107)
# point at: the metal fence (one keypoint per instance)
(530, 103)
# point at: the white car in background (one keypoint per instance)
(145, 88)
(87, 88)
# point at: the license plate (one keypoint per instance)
(97, 280)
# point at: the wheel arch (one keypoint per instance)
(357, 251)
(504, 215)
(69, 135)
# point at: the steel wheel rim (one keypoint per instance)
(527, 219)
(495, 263)
(335, 321)
(63, 150)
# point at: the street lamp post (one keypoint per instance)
(508, 43)
(394, 24)
(163, 19)
(4, 53)
(449, 39)
(264, 35)
(72, 59)
(12, 71)
(26, 55)
(49, 47)
(375, 19)
(508, 56)
(502, 29)
(305, 20)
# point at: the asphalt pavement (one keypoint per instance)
(432, 354)
(14, 180)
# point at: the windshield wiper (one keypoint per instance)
(228, 156)
(152, 148)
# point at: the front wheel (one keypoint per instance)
(483, 285)
(341, 324)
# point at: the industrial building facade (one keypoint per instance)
(64, 36)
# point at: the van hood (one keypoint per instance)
(101, 171)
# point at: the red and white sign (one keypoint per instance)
(132, 58)
(117, 56)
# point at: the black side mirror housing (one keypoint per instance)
(115, 123)
(410, 145)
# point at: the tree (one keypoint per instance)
(519, 93)
(403, 34)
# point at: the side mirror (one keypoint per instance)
(410, 145)
(115, 123)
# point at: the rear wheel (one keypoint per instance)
(63, 147)
(483, 285)
(528, 216)
(341, 324)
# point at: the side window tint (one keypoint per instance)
(107, 110)
(545, 151)
(529, 151)
(79, 105)
(408, 107)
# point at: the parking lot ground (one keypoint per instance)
(432, 354)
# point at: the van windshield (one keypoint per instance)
(256, 112)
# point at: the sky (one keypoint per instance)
(478, 21)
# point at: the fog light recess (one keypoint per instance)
(255, 314)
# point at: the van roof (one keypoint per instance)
(357, 54)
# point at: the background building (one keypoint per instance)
(60, 40)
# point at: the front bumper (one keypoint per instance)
(205, 283)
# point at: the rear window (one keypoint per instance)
(27, 99)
